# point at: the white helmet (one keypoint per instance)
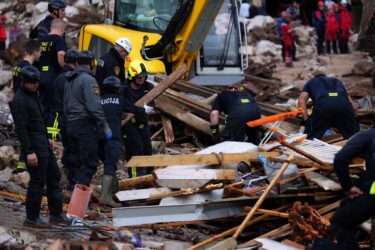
(125, 44)
(344, 2)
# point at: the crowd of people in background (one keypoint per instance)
(332, 22)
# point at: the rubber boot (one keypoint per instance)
(328, 47)
(105, 197)
(79, 201)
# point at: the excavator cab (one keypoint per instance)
(220, 61)
(168, 33)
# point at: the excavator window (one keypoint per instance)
(145, 15)
(99, 46)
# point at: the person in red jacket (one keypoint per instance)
(332, 28)
(287, 36)
(345, 26)
(3, 32)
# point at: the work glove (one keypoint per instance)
(215, 133)
(307, 125)
(148, 109)
(107, 132)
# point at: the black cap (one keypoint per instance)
(85, 57)
(71, 56)
(30, 74)
(56, 5)
(111, 81)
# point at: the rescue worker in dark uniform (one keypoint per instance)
(239, 108)
(114, 105)
(32, 55)
(319, 23)
(332, 107)
(60, 123)
(136, 132)
(113, 63)
(36, 148)
(51, 63)
(85, 117)
(359, 205)
(56, 9)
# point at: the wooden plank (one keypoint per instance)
(158, 90)
(322, 181)
(195, 159)
(196, 174)
(136, 182)
(184, 192)
(269, 212)
(168, 129)
(192, 178)
(165, 105)
(140, 194)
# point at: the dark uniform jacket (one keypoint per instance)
(16, 74)
(111, 64)
(42, 29)
(59, 89)
(30, 123)
(361, 144)
(322, 87)
(227, 101)
(133, 95)
(81, 97)
(114, 105)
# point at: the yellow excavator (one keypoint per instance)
(204, 34)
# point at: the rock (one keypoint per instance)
(260, 21)
(71, 11)
(21, 179)
(29, 8)
(176, 245)
(6, 174)
(6, 156)
(13, 187)
(363, 68)
(41, 7)
(40, 12)
(265, 48)
(5, 77)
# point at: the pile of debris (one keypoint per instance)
(29, 14)
(199, 196)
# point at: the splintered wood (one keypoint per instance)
(307, 224)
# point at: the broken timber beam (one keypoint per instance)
(195, 159)
(136, 182)
(168, 129)
(166, 106)
(158, 90)
(269, 212)
(263, 80)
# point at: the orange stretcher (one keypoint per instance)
(275, 118)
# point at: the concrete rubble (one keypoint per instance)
(198, 203)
